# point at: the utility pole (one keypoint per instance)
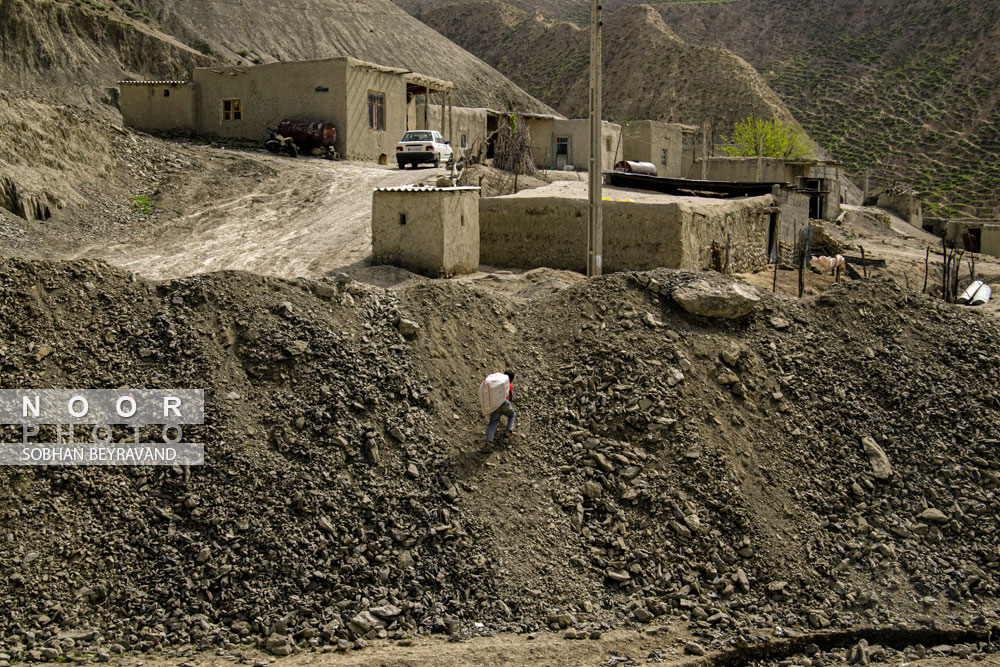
(595, 232)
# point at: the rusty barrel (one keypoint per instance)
(633, 167)
(308, 134)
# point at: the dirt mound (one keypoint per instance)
(731, 474)
(692, 84)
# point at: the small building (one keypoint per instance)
(433, 231)
(822, 180)
(370, 105)
(974, 235)
(661, 144)
(642, 230)
(905, 202)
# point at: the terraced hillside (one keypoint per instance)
(649, 71)
(906, 89)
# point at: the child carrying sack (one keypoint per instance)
(493, 392)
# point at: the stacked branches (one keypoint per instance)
(512, 148)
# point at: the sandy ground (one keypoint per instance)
(312, 217)
(657, 645)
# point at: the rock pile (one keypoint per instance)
(829, 463)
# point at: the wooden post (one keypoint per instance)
(729, 243)
(927, 268)
(864, 197)
(427, 106)
(704, 152)
(444, 108)
(451, 120)
(803, 253)
(944, 270)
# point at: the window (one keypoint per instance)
(232, 109)
(402, 218)
(464, 142)
(376, 111)
(166, 93)
(607, 142)
(663, 156)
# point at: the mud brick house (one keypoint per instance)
(371, 105)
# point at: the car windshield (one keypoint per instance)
(417, 136)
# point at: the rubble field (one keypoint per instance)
(813, 466)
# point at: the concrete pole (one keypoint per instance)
(595, 227)
(865, 195)
(444, 108)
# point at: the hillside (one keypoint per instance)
(909, 90)
(76, 52)
(649, 72)
(62, 151)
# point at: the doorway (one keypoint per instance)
(772, 239)
(562, 152)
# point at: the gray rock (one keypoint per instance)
(642, 615)
(278, 645)
(408, 328)
(591, 489)
(694, 648)
(675, 377)
(932, 514)
(725, 301)
(881, 467)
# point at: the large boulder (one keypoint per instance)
(723, 300)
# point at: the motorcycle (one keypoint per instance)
(277, 143)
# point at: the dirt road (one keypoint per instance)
(311, 217)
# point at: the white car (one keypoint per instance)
(422, 146)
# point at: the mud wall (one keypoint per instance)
(989, 242)
(578, 131)
(313, 90)
(364, 142)
(908, 206)
(158, 107)
(464, 121)
(432, 232)
(534, 231)
(656, 142)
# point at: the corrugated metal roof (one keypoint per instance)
(427, 188)
(148, 83)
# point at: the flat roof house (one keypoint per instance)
(370, 105)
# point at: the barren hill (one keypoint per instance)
(649, 71)
(78, 51)
(909, 90)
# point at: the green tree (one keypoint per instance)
(777, 139)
